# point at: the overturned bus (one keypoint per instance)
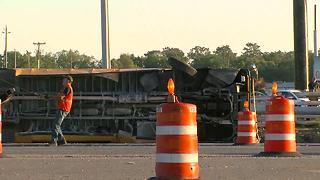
(119, 105)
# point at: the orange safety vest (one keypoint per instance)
(66, 103)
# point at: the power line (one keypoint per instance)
(39, 44)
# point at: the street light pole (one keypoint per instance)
(108, 40)
(6, 47)
(105, 34)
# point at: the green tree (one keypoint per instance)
(139, 61)
(198, 52)
(208, 61)
(48, 61)
(175, 53)
(115, 63)
(251, 50)
(203, 58)
(251, 55)
(278, 66)
(225, 54)
(272, 66)
(67, 59)
(73, 59)
(12, 56)
(155, 59)
(124, 62)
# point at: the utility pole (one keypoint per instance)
(15, 58)
(5, 32)
(105, 38)
(70, 62)
(38, 51)
(301, 44)
(316, 64)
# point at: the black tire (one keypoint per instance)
(182, 66)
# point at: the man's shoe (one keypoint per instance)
(53, 144)
(62, 142)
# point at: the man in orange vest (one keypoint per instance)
(65, 97)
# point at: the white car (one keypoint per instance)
(295, 95)
(260, 94)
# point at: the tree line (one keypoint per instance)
(61, 59)
(272, 66)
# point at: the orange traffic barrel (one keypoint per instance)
(0, 129)
(177, 142)
(247, 128)
(280, 132)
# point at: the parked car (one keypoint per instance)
(260, 94)
(297, 96)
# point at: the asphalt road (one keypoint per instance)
(136, 161)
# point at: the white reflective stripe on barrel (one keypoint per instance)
(280, 137)
(279, 117)
(176, 158)
(291, 102)
(176, 130)
(246, 134)
(246, 122)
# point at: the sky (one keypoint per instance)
(137, 26)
